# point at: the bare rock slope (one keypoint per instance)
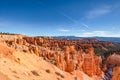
(25, 66)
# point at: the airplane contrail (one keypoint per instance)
(68, 17)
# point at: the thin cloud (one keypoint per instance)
(63, 30)
(67, 16)
(95, 33)
(85, 25)
(83, 30)
(99, 33)
(75, 23)
(99, 12)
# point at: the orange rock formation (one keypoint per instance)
(68, 55)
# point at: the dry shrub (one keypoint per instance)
(14, 72)
(58, 78)
(59, 74)
(47, 70)
(35, 73)
(75, 78)
(16, 76)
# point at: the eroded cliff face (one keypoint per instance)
(113, 59)
(70, 56)
(83, 60)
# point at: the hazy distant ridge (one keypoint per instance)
(111, 39)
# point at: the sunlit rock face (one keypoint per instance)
(83, 60)
(91, 63)
(116, 73)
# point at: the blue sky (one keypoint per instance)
(83, 18)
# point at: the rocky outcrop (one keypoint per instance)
(116, 73)
(113, 60)
(6, 51)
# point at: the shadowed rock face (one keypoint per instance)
(108, 74)
(112, 73)
(111, 67)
